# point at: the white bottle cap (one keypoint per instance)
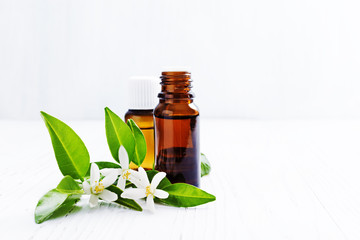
(143, 92)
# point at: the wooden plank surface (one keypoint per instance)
(272, 180)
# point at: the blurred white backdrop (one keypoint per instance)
(250, 59)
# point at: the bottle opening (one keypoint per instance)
(176, 74)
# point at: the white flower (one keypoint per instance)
(146, 189)
(125, 172)
(96, 188)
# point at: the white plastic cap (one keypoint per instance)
(143, 92)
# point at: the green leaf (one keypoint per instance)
(205, 165)
(54, 203)
(118, 134)
(124, 201)
(67, 207)
(59, 201)
(185, 195)
(70, 151)
(69, 185)
(103, 165)
(127, 185)
(140, 143)
(164, 182)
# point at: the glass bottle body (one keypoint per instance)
(144, 120)
(177, 130)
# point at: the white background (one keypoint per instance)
(250, 59)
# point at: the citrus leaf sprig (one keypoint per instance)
(73, 160)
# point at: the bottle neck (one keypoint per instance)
(176, 87)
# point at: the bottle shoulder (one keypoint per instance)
(176, 110)
(142, 118)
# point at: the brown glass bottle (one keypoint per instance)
(176, 117)
(144, 120)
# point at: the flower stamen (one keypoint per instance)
(148, 191)
(99, 187)
(126, 175)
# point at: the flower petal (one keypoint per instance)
(150, 203)
(94, 174)
(121, 183)
(161, 193)
(134, 193)
(86, 187)
(109, 179)
(135, 178)
(124, 158)
(143, 176)
(137, 182)
(93, 202)
(107, 171)
(133, 174)
(108, 196)
(156, 180)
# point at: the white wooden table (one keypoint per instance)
(272, 179)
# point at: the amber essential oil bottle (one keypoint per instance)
(176, 117)
(142, 100)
